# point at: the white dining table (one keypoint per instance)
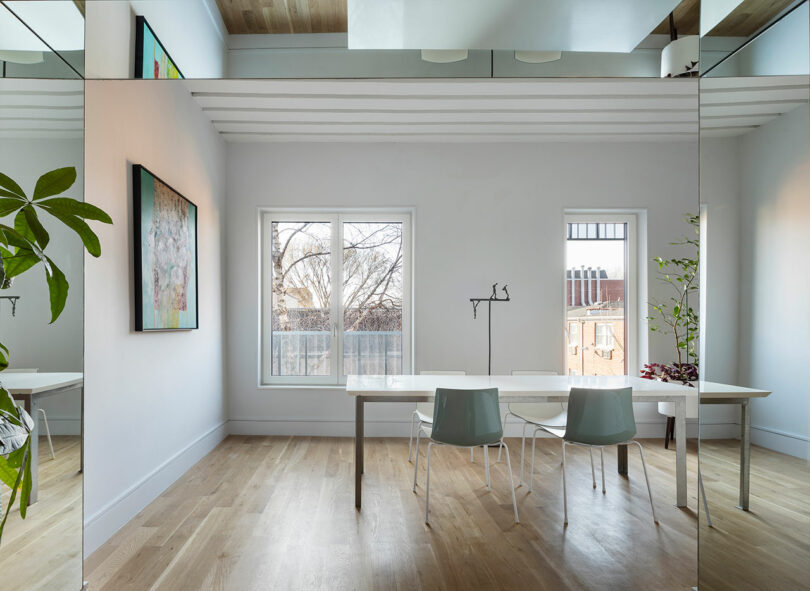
(31, 388)
(535, 388)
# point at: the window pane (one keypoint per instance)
(372, 298)
(301, 290)
(595, 300)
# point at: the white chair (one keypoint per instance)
(692, 412)
(44, 416)
(543, 415)
(423, 415)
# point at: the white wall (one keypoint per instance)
(483, 213)
(775, 279)
(154, 402)
(191, 31)
(33, 342)
(720, 194)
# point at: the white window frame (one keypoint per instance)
(609, 337)
(632, 271)
(336, 218)
(571, 333)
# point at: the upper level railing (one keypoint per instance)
(307, 353)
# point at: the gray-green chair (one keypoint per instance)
(465, 418)
(597, 418)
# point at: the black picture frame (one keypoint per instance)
(140, 24)
(137, 212)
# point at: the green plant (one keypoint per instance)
(676, 316)
(22, 248)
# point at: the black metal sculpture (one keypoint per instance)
(492, 298)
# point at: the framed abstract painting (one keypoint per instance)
(165, 255)
(151, 58)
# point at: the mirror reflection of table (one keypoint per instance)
(31, 389)
(714, 393)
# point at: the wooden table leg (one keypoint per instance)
(745, 453)
(622, 459)
(358, 450)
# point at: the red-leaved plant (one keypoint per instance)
(676, 372)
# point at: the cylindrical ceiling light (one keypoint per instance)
(444, 56)
(537, 57)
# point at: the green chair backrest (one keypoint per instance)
(466, 417)
(600, 417)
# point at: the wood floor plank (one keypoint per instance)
(278, 513)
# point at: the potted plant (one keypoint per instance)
(675, 316)
(22, 248)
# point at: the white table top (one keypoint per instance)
(715, 390)
(37, 383)
(510, 386)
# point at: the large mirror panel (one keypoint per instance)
(755, 194)
(41, 131)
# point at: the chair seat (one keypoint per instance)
(527, 415)
(424, 418)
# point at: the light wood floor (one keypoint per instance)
(44, 551)
(278, 513)
(767, 547)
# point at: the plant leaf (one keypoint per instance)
(22, 227)
(17, 263)
(8, 475)
(36, 226)
(57, 287)
(14, 490)
(55, 182)
(25, 491)
(77, 208)
(81, 228)
(10, 186)
(9, 205)
(3, 357)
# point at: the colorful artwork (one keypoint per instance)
(151, 59)
(165, 255)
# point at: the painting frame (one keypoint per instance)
(141, 24)
(138, 246)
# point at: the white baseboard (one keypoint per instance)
(400, 428)
(787, 443)
(100, 526)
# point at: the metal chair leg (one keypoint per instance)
(472, 455)
(565, 490)
(47, 432)
(593, 472)
(602, 458)
(531, 467)
(505, 417)
(705, 500)
(416, 460)
(486, 466)
(511, 482)
(414, 416)
(649, 490)
(427, 484)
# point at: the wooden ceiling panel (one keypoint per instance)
(329, 16)
(283, 16)
(744, 21)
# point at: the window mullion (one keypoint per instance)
(336, 261)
